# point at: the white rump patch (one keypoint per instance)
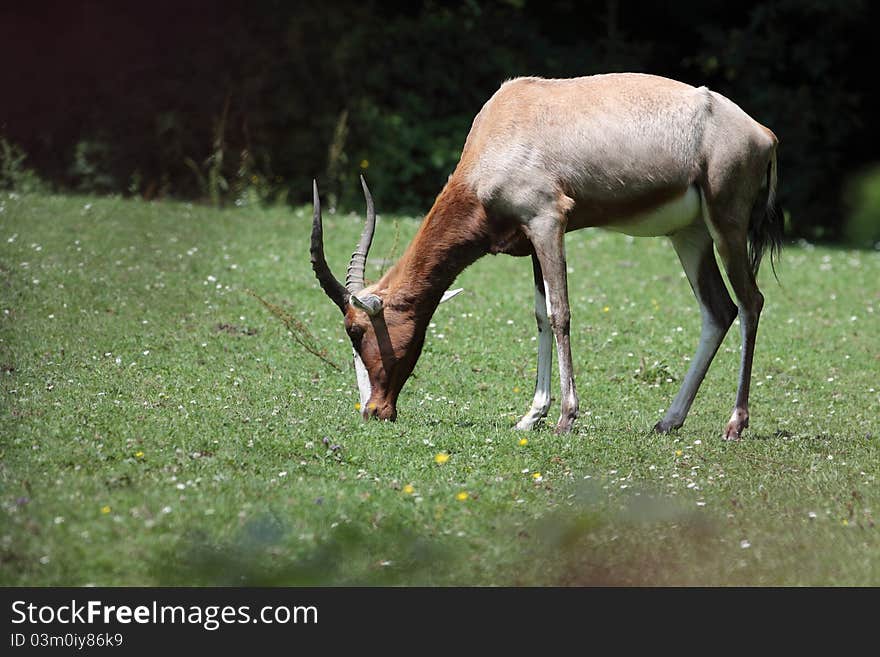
(665, 219)
(365, 390)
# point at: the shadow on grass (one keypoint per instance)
(647, 541)
(650, 541)
(261, 555)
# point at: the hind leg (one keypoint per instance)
(694, 248)
(733, 248)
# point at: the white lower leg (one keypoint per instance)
(541, 402)
(569, 410)
(570, 402)
(540, 406)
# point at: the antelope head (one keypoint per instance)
(387, 331)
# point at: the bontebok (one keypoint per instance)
(633, 153)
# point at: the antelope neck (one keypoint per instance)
(452, 236)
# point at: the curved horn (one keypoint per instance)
(354, 279)
(333, 288)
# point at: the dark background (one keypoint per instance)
(247, 101)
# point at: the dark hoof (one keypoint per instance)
(564, 425)
(738, 423)
(665, 427)
(733, 431)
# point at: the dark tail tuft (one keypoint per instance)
(766, 224)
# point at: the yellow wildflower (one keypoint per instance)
(409, 489)
(105, 509)
(678, 452)
(139, 455)
(523, 442)
(357, 406)
(441, 458)
(462, 496)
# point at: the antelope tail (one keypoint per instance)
(766, 224)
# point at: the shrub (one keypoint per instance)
(863, 201)
(14, 175)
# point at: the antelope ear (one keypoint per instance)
(369, 303)
(450, 293)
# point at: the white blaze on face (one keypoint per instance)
(363, 378)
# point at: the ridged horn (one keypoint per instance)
(354, 278)
(332, 287)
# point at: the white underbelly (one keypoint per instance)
(665, 219)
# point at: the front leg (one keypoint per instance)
(541, 402)
(547, 234)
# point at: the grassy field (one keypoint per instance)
(161, 427)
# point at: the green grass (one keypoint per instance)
(161, 427)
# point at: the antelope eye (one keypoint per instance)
(356, 333)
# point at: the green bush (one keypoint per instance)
(863, 201)
(14, 175)
(91, 167)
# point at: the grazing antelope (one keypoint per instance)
(633, 153)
